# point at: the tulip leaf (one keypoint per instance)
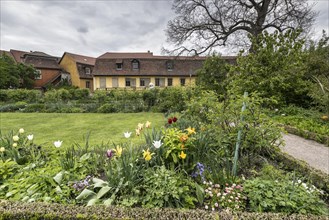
(93, 201)
(103, 191)
(58, 178)
(85, 194)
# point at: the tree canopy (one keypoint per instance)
(203, 25)
(14, 75)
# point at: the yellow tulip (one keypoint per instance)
(182, 155)
(118, 151)
(190, 130)
(147, 155)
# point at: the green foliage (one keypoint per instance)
(302, 119)
(317, 69)
(17, 95)
(107, 108)
(275, 70)
(214, 75)
(164, 188)
(286, 196)
(14, 75)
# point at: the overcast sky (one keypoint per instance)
(94, 27)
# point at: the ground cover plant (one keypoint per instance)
(308, 123)
(71, 128)
(190, 162)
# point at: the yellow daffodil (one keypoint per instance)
(324, 117)
(182, 155)
(138, 132)
(183, 138)
(190, 130)
(14, 144)
(118, 151)
(148, 124)
(147, 155)
(140, 126)
(2, 149)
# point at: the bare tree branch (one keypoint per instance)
(204, 25)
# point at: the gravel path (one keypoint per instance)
(315, 154)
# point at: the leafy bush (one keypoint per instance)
(107, 108)
(282, 196)
(164, 188)
(17, 95)
(36, 107)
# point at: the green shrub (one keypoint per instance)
(164, 188)
(108, 108)
(20, 95)
(283, 196)
(80, 94)
(36, 107)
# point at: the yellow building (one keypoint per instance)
(80, 68)
(140, 70)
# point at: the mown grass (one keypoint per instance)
(72, 128)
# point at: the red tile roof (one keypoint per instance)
(81, 59)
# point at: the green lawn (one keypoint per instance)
(71, 128)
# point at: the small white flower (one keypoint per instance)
(276, 109)
(30, 137)
(206, 207)
(283, 114)
(157, 144)
(21, 130)
(216, 204)
(213, 209)
(210, 183)
(15, 138)
(204, 182)
(127, 134)
(58, 143)
(14, 144)
(2, 149)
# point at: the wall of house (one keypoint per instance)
(83, 84)
(122, 81)
(47, 75)
(69, 65)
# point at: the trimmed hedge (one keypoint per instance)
(308, 135)
(18, 210)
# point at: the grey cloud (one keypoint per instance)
(83, 30)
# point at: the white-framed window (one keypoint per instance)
(170, 65)
(160, 82)
(130, 82)
(169, 82)
(144, 81)
(115, 82)
(88, 84)
(119, 66)
(87, 70)
(102, 82)
(182, 81)
(39, 75)
(135, 64)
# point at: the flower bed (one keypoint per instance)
(192, 162)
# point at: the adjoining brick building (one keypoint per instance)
(50, 73)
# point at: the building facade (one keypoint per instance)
(80, 68)
(140, 70)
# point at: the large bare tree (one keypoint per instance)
(203, 25)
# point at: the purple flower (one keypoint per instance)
(109, 153)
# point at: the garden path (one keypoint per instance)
(315, 154)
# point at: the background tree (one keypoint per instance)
(203, 25)
(213, 75)
(14, 75)
(9, 76)
(317, 64)
(276, 70)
